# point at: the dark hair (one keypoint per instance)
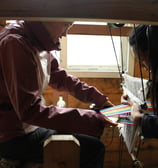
(138, 38)
(144, 38)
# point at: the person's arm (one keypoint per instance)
(63, 81)
(20, 75)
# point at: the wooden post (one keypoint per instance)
(61, 151)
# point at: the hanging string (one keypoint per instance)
(115, 53)
(144, 106)
(122, 62)
(149, 48)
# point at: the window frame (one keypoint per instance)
(83, 29)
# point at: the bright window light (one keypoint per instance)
(91, 51)
(96, 55)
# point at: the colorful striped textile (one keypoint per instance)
(120, 109)
(116, 110)
(125, 121)
(149, 104)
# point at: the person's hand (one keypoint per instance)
(109, 123)
(136, 113)
(125, 99)
(105, 105)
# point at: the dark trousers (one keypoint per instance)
(30, 148)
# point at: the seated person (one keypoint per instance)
(144, 41)
(26, 68)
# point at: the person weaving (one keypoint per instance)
(26, 68)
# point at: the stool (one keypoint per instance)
(61, 151)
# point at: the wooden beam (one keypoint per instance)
(125, 11)
(98, 30)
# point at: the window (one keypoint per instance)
(95, 55)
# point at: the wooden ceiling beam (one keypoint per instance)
(98, 30)
(124, 11)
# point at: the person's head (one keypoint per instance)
(144, 41)
(57, 29)
(139, 42)
(46, 35)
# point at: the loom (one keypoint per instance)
(137, 90)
